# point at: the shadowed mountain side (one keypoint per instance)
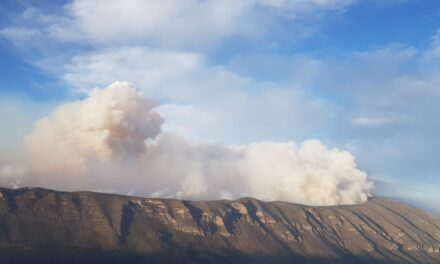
(62, 227)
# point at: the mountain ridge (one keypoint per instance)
(71, 227)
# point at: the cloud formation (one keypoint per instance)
(170, 23)
(197, 92)
(112, 141)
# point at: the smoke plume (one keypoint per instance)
(112, 141)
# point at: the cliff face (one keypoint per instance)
(42, 225)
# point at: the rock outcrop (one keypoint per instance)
(38, 225)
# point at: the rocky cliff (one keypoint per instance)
(39, 225)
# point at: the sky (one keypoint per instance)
(357, 75)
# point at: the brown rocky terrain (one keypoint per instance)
(44, 226)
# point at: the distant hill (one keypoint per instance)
(45, 226)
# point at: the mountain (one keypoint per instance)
(45, 226)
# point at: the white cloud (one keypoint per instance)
(154, 70)
(153, 43)
(388, 90)
(434, 51)
(369, 121)
(20, 34)
(189, 120)
(171, 23)
(230, 107)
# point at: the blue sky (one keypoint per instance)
(358, 75)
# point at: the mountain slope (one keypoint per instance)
(61, 227)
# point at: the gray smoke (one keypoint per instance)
(112, 142)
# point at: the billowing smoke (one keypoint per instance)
(111, 125)
(112, 141)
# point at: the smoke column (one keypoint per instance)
(112, 142)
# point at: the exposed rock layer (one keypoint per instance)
(43, 225)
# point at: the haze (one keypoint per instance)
(316, 102)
